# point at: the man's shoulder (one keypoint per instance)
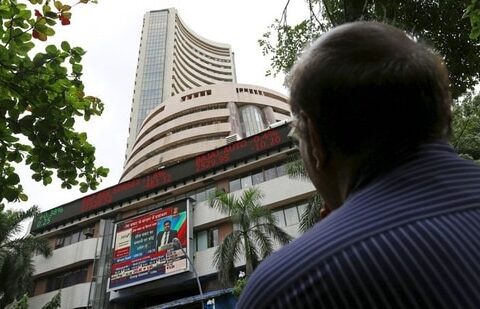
(332, 263)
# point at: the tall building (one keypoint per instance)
(193, 131)
(172, 59)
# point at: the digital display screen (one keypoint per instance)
(231, 153)
(151, 246)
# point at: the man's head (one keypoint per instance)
(166, 225)
(365, 90)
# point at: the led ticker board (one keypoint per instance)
(143, 247)
(232, 153)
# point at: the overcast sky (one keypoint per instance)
(110, 33)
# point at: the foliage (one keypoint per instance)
(55, 302)
(41, 97)
(315, 207)
(473, 13)
(466, 127)
(239, 286)
(22, 303)
(439, 23)
(255, 236)
(16, 253)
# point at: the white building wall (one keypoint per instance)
(71, 254)
(281, 189)
(75, 296)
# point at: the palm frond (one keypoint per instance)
(225, 256)
(312, 212)
(16, 266)
(251, 255)
(264, 242)
(250, 198)
(223, 202)
(277, 233)
(10, 222)
(296, 168)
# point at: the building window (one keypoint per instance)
(257, 177)
(66, 279)
(74, 236)
(290, 215)
(206, 239)
(251, 119)
(235, 185)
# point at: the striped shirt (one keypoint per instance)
(409, 239)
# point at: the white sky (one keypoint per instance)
(110, 33)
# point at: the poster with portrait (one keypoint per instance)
(151, 246)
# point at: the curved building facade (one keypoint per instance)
(202, 119)
(172, 59)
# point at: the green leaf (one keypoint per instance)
(58, 5)
(23, 197)
(52, 50)
(47, 180)
(77, 68)
(65, 46)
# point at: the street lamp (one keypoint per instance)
(176, 241)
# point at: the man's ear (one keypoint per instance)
(314, 144)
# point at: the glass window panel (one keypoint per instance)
(212, 237)
(257, 178)
(270, 173)
(210, 192)
(75, 237)
(281, 170)
(235, 185)
(280, 217)
(291, 215)
(68, 240)
(201, 195)
(202, 240)
(246, 181)
(301, 209)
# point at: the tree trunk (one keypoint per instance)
(248, 257)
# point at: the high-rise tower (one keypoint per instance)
(172, 58)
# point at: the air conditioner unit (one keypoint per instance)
(278, 123)
(88, 232)
(232, 138)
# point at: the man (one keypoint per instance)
(373, 117)
(166, 236)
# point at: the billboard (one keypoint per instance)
(145, 248)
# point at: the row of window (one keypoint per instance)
(205, 65)
(196, 95)
(178, 115)
(290, 215)
(63, 280)
(194, 63)
(189, 38)
(285, 217)
(74, 236)
(258, 176)
(264, 93)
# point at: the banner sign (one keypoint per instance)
(151, 246)
(217, 158)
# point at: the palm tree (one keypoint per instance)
(315, 209)
(16, 268)
(255, 236)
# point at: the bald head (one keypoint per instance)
(368, 87)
